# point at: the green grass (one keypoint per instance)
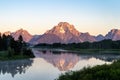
(95, 50)
(103, 72)
(4, 56)
(3, 53)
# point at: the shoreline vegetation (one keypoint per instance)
(4, 56)
(105, 46)
(99, 72)
(81, 51)
(11, 49)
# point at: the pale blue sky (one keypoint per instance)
(37, 16)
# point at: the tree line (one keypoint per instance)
(14, 47)
(104, 44)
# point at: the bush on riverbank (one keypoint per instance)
(103, 72)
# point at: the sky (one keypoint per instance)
(38, 16)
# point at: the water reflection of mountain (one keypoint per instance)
(65, 61)
(62, 61)
(15, 67)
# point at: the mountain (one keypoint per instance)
(26, 36)
(49, 38)
(46, 38)
(34, 39)
(99, 37)
(64, 33)
(86, 37)
(114, 34)
(7, 33)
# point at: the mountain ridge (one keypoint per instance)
(24, 33)
(63, 32)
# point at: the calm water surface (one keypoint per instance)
(48, 65)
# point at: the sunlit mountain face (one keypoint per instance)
(63, 32)
(24, 33)
(114, 35)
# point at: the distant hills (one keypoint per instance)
(63, 33)
(26, 36)
(24, 33)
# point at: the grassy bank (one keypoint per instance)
(103, 72)
(95, 50)
(4, 55)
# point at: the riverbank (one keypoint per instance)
(4, 55)
(116, 51)
(103, 72)
(81, 51)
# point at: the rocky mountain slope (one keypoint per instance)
(114, 34)
(26, 36)
(64, 33)
(99, 37)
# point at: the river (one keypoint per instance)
(49, 64)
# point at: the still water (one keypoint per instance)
(48, 64)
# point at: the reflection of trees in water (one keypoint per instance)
(64, 60)
(104, 57)
(109, 58)
(15, 67)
